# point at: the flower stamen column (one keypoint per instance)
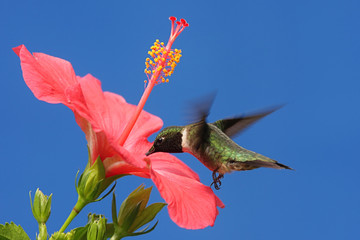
(163, 65)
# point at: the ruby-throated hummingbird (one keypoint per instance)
(211, 143)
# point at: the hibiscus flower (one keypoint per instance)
(103, 116)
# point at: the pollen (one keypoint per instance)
(163, 60)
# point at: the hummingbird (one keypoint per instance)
(211, 143)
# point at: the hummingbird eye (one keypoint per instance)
(159, 141)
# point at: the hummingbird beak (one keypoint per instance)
(152, 150)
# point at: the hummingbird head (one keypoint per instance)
(168, 140)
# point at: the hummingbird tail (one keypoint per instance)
(260, 163)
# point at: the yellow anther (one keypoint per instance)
(162, 61)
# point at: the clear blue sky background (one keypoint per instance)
(255, 53)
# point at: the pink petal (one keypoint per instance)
(115, 166)
(145, 125)
(97, 141)
(110, 113)
(96, 105)
(48, 77)
(192, 205)
(100, 145)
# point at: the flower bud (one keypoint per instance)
(89, 184)
(134, 213)
(97, 228)
(61, 236)
(41, 207)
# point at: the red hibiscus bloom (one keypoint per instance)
(103, 116)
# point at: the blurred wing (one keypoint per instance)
(202, 133)
(234, 126)
(201, 109)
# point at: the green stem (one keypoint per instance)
(118, 232)
(74, 212)
(42, 232)
(117, 236)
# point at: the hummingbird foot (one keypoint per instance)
(216, 178)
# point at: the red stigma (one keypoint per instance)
(184, 22)
(175, 31)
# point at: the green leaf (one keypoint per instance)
(109, 230)
(130, 217)
(79, 233)
(10, 231)
(108, 181)
(143, 231)
(48, 205)
(114, 212)
(147, 215)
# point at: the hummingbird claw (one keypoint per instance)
(216, 178)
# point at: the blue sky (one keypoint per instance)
(255, 54)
